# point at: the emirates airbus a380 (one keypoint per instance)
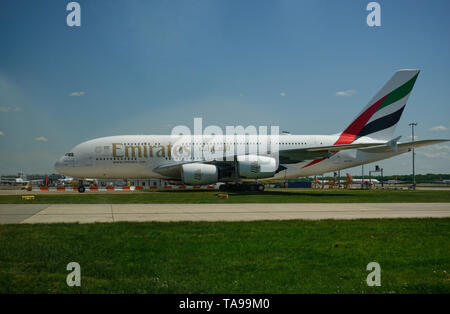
(188, 159)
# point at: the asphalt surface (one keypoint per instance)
(90, 213)
(17, 213)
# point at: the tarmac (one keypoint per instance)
(91, 213)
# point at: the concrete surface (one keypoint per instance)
(89, 213)
(16, 213)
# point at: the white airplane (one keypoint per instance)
(359, 181)
(368, 138)
(21, 179)
(443, 181)
(395, 181)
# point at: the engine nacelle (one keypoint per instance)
(256, 167)
(198, 174)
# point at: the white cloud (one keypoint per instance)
(282, 94)
(439, 128)
(7, 109)
(2, 134)
(77, 94)
(436, 151)
(436, 155)
(441, 147)
(41, 139)
(346, 93)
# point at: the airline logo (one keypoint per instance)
(362, 125)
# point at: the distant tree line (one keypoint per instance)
(420, 178)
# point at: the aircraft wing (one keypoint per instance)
(402, 146)
(173, 170)
(310, 153)
(300, 154)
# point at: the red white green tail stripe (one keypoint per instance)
(379, 118)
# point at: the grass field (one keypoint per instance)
(269, 196)
(228, 257)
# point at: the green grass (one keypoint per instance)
(326, 256)
(270, 196)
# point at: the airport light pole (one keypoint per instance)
(362, 176)
(339, 178)
(412, 125)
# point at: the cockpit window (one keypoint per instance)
(69, 154)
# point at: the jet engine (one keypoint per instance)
(256, 167)
(198, 174)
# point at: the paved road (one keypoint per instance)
(17, 213)
(89, 213)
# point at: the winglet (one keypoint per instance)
(394, 143)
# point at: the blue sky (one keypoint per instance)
(142, 67)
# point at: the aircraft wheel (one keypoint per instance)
(81, 189)
(260, 187)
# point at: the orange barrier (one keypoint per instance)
(168, 187)
(153, 187)
(44, 188)
(139, 188)
(210, 187)
(75, 189)
(94, 188)
(196, 187)
(127, 188)
(60, 188)
(109, 188)
(181, 187)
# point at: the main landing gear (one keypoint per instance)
(241, 187)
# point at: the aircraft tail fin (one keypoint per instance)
(380, 116)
